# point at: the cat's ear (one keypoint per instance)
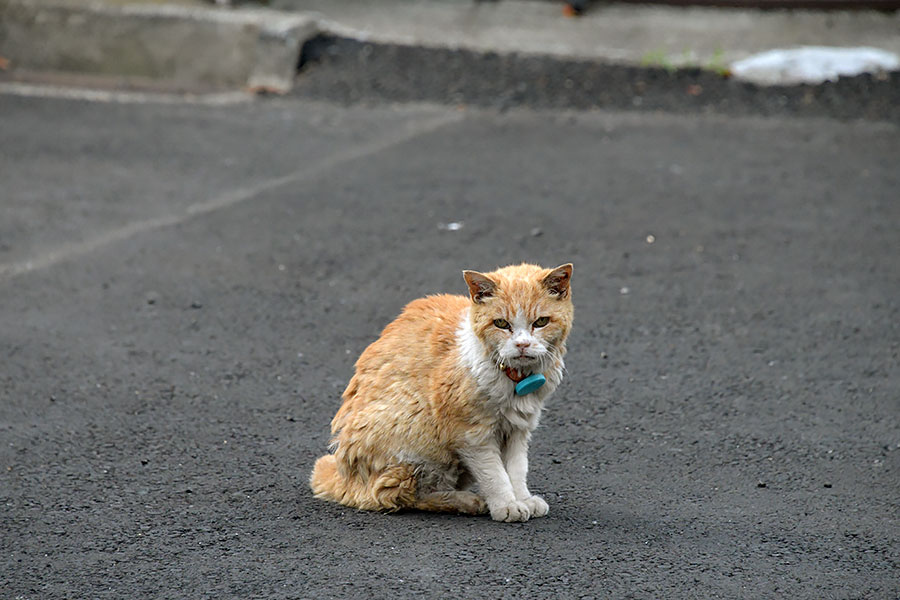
(557, 281)
(480, 286)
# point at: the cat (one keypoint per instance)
(432, 408)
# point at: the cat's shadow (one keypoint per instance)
(562, 517)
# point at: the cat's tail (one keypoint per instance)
(392, 488)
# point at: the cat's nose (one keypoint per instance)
(522, 345)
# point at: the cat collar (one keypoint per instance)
(524, 385)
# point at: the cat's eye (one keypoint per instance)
(541, 322)
(502, 324)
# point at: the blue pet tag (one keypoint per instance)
(530, 384)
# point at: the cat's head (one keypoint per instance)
(522, 313)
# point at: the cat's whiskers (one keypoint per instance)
(543, 359)
(497, 359)
(552, 359)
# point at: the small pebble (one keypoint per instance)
(537, 232)
(828, 485)
(761, 484)
(196, 305)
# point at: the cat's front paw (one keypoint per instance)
(511, 512)
(536, 505)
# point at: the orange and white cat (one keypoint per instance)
(432, 409)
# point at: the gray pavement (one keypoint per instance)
(184, 289)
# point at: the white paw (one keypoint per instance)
(511, 512)
(537, 506)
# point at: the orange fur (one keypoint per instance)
(414, 404)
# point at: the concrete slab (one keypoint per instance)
(191, 46)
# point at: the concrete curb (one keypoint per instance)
(677, 37)
(176, 45)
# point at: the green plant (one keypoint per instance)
(658, 58)
(717, 64)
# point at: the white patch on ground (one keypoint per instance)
(813, 64)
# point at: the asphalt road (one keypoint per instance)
(184, 290)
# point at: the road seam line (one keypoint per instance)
(73, 250)
(33, 90)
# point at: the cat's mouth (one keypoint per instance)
(522, 362)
